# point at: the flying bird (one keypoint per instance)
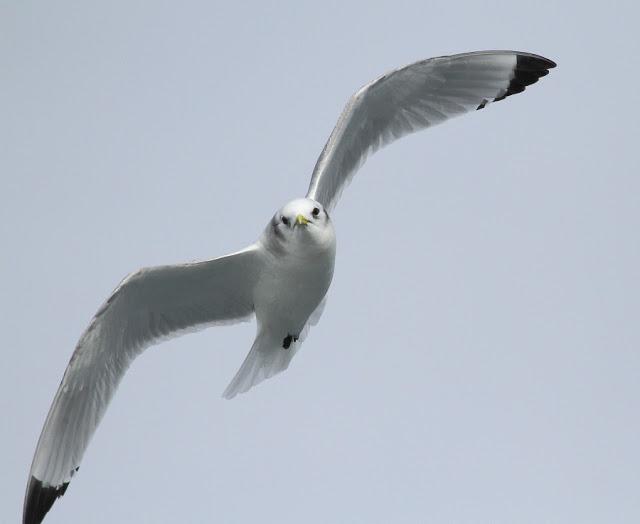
(282, 278)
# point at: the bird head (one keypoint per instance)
(301, 223)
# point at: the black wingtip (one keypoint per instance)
(39, 500)
(529, 69)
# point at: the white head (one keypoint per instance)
(301, 226)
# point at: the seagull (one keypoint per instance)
(281, 279)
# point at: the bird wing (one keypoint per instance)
(148, 305)
(413, 98)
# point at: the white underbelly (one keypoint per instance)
(287, 294)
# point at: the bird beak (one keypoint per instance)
(302, 220)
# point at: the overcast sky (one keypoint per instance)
(478, 359)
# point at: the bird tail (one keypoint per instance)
(267, 358)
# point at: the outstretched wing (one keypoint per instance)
(148, 305)
(412, 98)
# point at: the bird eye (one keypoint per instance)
(315, 212)
(285, 221)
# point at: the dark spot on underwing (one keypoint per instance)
(286, 343)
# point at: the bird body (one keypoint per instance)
(282, 278)
(298, 258)
(299, 261)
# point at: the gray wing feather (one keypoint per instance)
(147, 306)
(412, 98)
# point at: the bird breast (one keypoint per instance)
(291, 287)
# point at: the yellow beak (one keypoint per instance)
(302, 220)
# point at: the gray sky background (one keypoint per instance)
(482, 367)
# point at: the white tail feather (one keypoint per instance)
(268, 357)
